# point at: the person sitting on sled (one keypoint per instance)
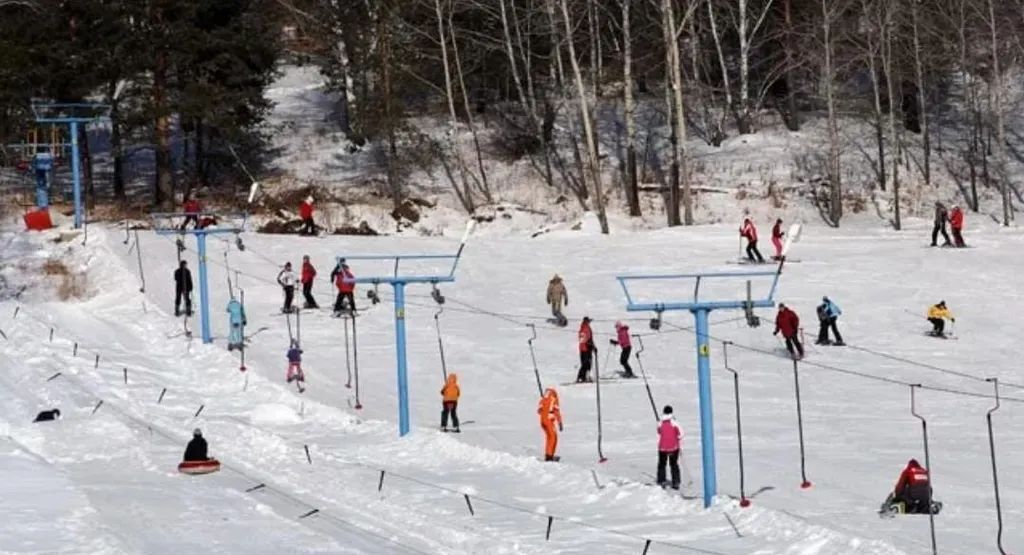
(196, 448)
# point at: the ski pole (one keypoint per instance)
(643, 374)
(298, 326)
(606, 357)
(440, 344)
(288, 319)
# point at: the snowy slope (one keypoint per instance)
(859, 432)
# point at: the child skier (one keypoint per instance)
(182, 289)
(587, 350)
(937, 315)
(295, 366)
(450, 402)
(557, 294)
(750, 233)
(828, 313)
(286, 279)
(306, 213)
(624, 343)
(777, 234)
(956, 224)
(343, 279)
(788, 323)
(308, 275)
(669, 439)
(237, 320)
(550, 415)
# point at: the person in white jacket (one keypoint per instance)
(287, 281)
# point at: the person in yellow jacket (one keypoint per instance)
(937, 315)
(449, 403)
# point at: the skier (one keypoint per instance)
(669, 438)
(286, 279)
(306, 213)
(196, 448)
(587, 350)
(624, 343)
(191, 208)
(777, 234)
(450, 402)
(557, 294)
(343, 279)
(956, 223)
(828, 313)
(939, 225)
(295, 373)
(47, 415)
(750, 233)
(308, 274)
(182, 289)
(550, 414)
(937, 315)
(238, 321)
(913, 492)
(788, 323)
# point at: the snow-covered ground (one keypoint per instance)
(105, 481)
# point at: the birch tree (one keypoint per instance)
(677, 117)
(629, 112)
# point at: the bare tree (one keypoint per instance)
(915, 19)
(462, 191)
(629, 111)
(996, 101)
(677, 118)
(829, 12)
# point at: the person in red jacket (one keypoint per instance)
(956, 223)
(788, 323)
(308, 275)
(343, 278)
(192, 209)
(913, 489)
(306, 213)
(750, 233)
(777, 234)
(587, 350)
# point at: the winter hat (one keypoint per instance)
(197, 432)
(667, 409)
(586, 318)
(56, 413)
(309, 199)
(305, 257)
(619, 325)
(287, 264)
(824, 299)
(942, 304)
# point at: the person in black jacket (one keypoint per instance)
(183, 289)
(196, 449)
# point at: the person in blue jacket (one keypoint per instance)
(236, 316)
(828, 313)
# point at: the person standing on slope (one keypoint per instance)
(182, 289)
(306, 213)
(192, 209)
(777, 235)
(787, 322)
(587, 350)
(295, 372)
(939, 225)
(624, 343)
(557, 294)
(956, 223)
(237, 320)
(450, 394)
(669, 440)
(550, 416)
(344, 280)
(749, 232)
(828, 313)
(286, 279)
(307, 277)
(196, 450)
(937, 315)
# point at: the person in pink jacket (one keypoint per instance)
(777, 234)
(749, 232)
(669, 442)
(624, 343)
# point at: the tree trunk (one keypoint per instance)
(164, 192)
(921, 96)
(465, 193)
(888, 66)
(632, 181)
(996, 95)
(679, 121)
(834, 153)
(482, 184)
(792, 117)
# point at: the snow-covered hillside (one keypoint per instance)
(103, 480)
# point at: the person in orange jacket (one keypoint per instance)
(550, 414)
(450, 402)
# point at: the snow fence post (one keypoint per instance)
(805, 484)
(995, 473)
(403, 378)
(707, 431)
(76, 172)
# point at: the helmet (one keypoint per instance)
(197, 432)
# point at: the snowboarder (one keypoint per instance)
(557, 294)
(749, 232)
(450, 402)
(937, 315)
(777, 234)
(624, 343)
(196, 448)
(295, 373)
(788, 323)
(669, 438)
(587, 350)
(913, 492)
(956, 223)
(182, 289)
(939, 225)
(238, 321)
(828, 313)
(550, 415)
(286, 279)
(192, 209)
(47, 415)
(344, 280)
(306, 213)
(308, 274)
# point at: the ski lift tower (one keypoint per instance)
(710, 291)
(398, 279)
(207, 224)
(72, 115)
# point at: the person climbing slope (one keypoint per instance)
(286, 279)
(669, 440)
(343, 279)
(587, 350)
(237, 321)
(550, 416)
(787, 322)
(182, 289)
(196, 449)
(624, 343)
(307, 277)
(450, 394)
(749, 231)
(557, 294)
(306, 214)
(937, 315)
(777, 235)
(295, 373)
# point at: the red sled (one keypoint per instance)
(38, 220)
(199, 467)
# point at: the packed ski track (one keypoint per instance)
(103, 480)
